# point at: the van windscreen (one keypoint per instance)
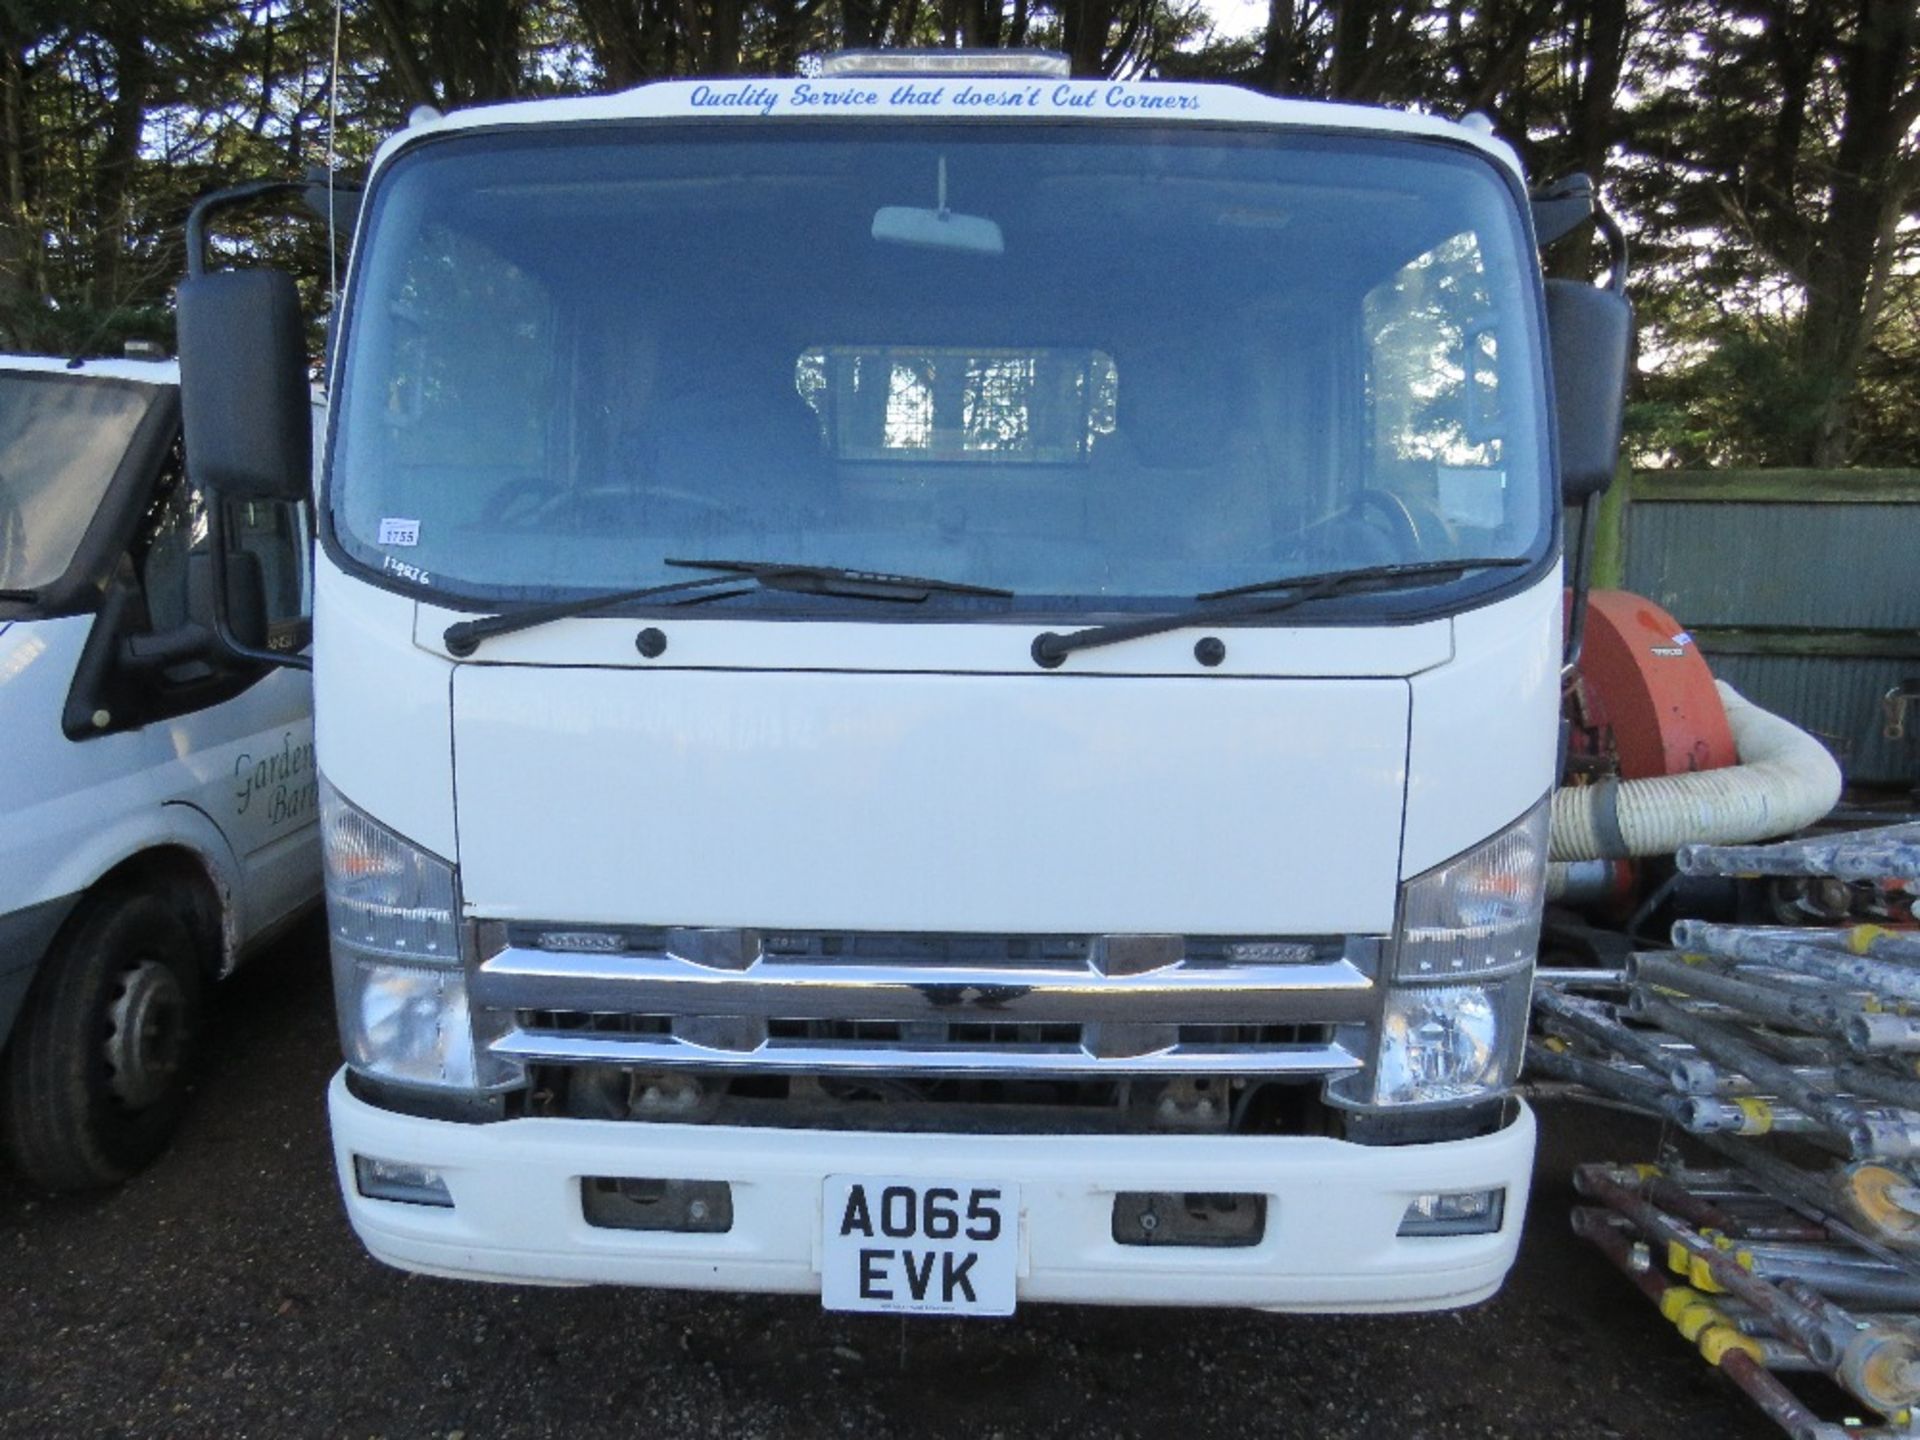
(62, 438)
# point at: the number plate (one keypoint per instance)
(918, 1246)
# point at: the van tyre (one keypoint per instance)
(95, 1079)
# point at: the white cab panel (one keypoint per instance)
(985, 648)
(1034, 803)
(385, 735)
(1485, 727)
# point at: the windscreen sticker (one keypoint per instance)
(399, 532)
(1472, 495)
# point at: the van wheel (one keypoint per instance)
(95, 1079)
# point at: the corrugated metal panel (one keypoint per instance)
(1837, 699)
(1741, 563)
(1761, 564)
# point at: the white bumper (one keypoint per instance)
(1330, 1241)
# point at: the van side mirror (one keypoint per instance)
(1590, 335)
(243, 385)
(197, 639)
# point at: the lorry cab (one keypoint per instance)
(937, 690)
(159, 798)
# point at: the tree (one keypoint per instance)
(1785, 134)
(1762, 152)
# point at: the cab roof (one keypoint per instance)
(959, 97)
(147, 372)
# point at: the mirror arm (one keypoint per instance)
(1562, 206)
(156, 652)
(247, 191)
(207, 205)
(1581, 580)
(1616, 239)
(222, 624)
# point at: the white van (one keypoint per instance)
(938, 690)
(158, 799)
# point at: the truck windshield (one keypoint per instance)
(61, 440)
(1099, 369)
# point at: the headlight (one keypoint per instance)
(1454, 1016)
(393, 914)
(1479, 913)
(1448, 1042)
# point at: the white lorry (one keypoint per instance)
(158, 802)
(936, 689)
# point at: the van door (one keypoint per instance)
(250, 740)
(241, 736)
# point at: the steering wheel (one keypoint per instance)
(1396, 517)
(1404, 529)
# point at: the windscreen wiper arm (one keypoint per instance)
(837, 580)
(464, 637)
(29, 596)
(1263, 597)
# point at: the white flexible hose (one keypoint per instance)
(1785, 781)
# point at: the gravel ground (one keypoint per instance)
(223, 1294)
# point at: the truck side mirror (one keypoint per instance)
(1590, 332)
(245, 600)
(248, 425)
(243, 385)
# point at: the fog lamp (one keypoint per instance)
(1455, 1212)
(397, 1181)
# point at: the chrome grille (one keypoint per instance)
(824, 1003)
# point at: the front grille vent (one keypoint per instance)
(1085, 1006)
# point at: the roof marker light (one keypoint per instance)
(878, 64)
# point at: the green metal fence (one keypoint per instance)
(1802, 588)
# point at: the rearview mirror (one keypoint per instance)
(1590, 333)
(243, 385)
(937, 230)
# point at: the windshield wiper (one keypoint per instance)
(463, 637)
(30, 597)
(837, 580)
(1263, 597)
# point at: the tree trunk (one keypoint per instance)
(119, 155)
(397, 45)
(1084, 25)
(1352, 30)
(1277, 54)
(613, 30)
(23, 280)
(723, 38)
(1847, 264)
(1600, 55)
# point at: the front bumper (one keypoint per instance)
(1330, 1241)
